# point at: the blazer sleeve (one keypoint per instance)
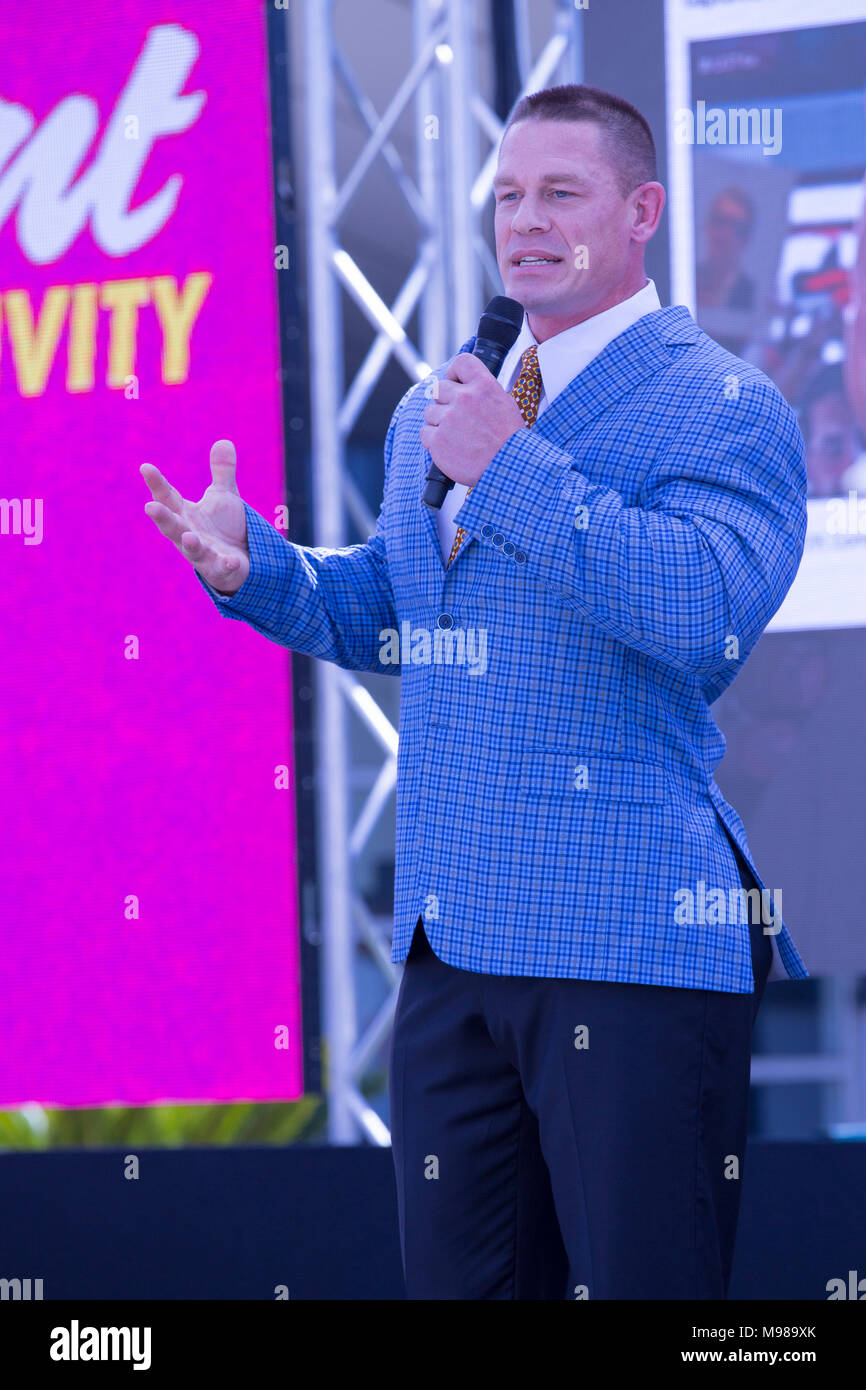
(333, 604)
(705, 557)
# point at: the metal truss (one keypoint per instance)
(447, 195)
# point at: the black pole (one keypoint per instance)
(507, 72)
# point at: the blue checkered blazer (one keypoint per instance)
(557, 813)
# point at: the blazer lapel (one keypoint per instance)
(626, 361)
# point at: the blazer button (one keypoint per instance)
(445, 620)
(498, 538)
(520, 558)
(486, 530)
(509, 548)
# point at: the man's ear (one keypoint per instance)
(647, 204)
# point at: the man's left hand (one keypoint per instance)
(468, 420)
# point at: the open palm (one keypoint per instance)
(212, 533)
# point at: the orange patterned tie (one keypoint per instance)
(527, 392)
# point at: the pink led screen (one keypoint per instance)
(148, 893)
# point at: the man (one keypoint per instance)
(830, 433)
(570, 1059)
(720, 281)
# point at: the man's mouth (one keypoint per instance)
(520, 261)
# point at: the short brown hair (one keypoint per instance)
(627, 134)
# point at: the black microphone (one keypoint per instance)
(498, 330)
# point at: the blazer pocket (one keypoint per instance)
(552, 772)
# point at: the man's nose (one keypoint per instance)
(530, 216)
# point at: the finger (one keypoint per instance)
(443, 391)
(427, 437)
(169, 523)
(466, 368)
(223, 462)
(200, 553)
(192, 545)
(434, 413)
(161, 488)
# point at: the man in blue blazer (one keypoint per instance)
(586, 937)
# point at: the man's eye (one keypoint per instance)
(566, 193)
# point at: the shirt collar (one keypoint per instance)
(561, 357)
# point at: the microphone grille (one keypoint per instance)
(501, 321)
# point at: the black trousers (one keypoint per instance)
(558, 1138)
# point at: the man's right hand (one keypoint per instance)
(212, 533)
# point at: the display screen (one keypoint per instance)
(766, 154)
(767, 149)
